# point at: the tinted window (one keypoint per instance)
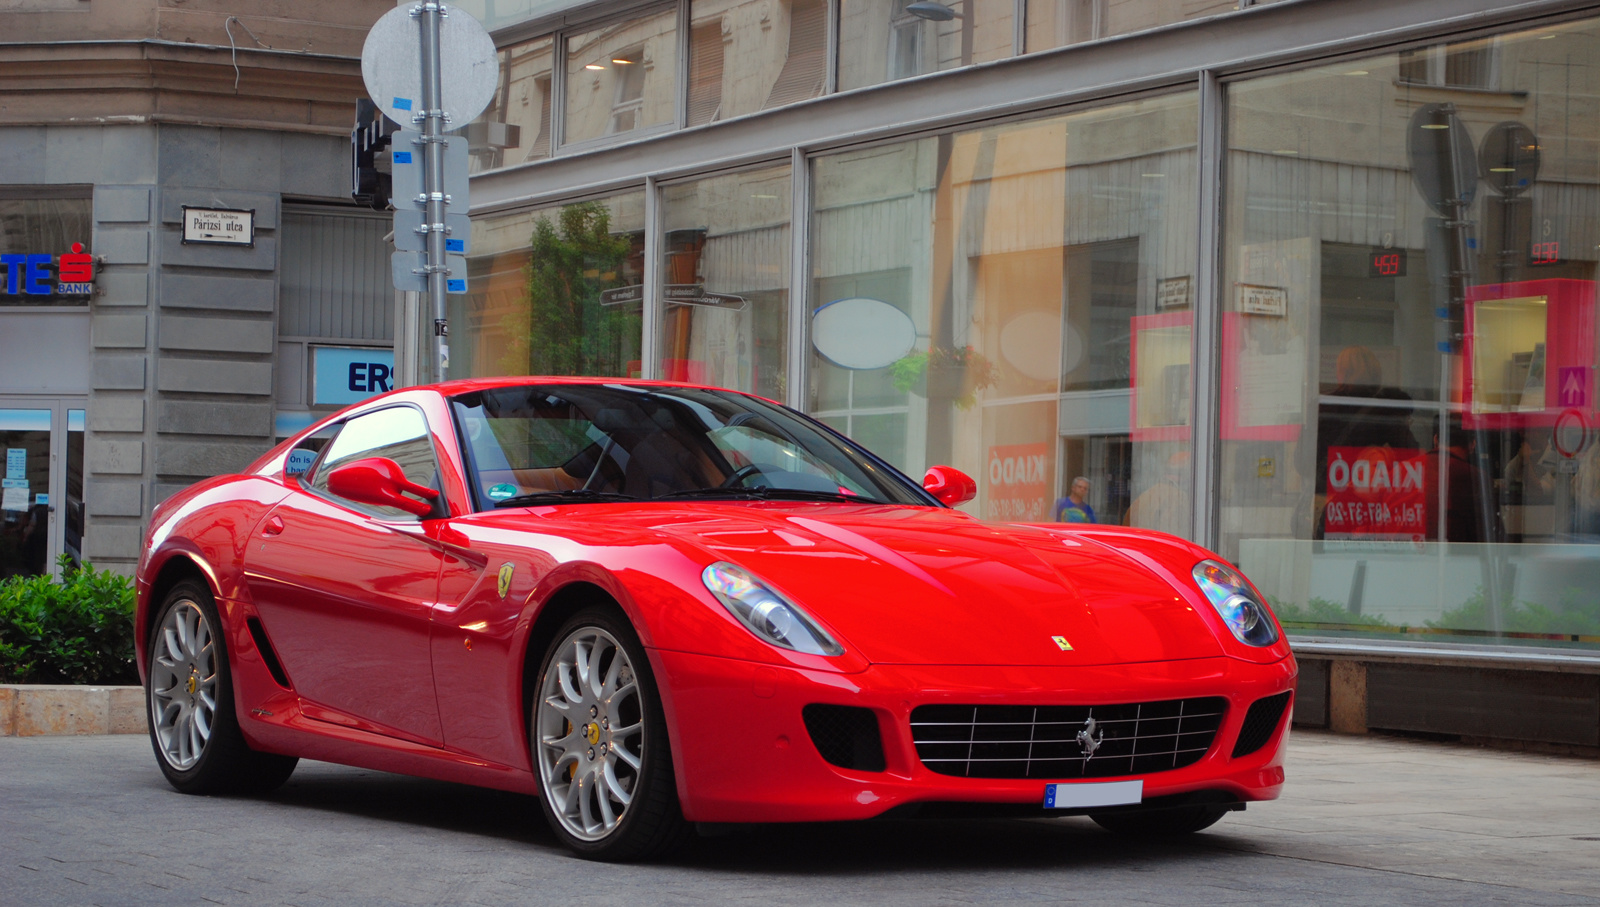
(619, 441)
(398, 433)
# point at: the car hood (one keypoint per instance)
(910, 585)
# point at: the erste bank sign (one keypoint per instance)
(43, 274)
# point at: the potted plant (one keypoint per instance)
(944, 373)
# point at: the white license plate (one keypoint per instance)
(1090, 794)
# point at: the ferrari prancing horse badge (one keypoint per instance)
(505, 578)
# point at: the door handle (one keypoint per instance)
(272, 526)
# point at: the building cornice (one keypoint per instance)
(155, 81)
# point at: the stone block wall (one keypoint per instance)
(183, 337)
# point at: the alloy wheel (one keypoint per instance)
(590, 733)
(183, 685)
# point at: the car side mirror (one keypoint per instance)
(950, 485)
(381, 482)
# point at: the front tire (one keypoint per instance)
(599, 739)
(1160, 823)
(193, 726)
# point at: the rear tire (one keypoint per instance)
(194, 728)
(1160, 823)
(599, 742)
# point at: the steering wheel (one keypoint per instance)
(739, 475)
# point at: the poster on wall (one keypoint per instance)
(1376, 494)
(1019, 483)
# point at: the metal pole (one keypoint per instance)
(432, 117)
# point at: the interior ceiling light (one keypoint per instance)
(1357, 72)
(594, 66)
(1286, 151)
(621, 61)
(1502, 170)
(1435, 125)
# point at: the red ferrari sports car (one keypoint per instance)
(655, 605)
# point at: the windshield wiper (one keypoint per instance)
(570, 496)
(768, 493)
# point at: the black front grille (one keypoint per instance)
(1049, 741)
(845, 735)
(1259, 723)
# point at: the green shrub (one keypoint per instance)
(75, 630)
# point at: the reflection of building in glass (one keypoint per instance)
(1336, 322)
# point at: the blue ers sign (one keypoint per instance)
(67, 274)
(349, 374)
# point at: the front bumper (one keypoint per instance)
(742, 753)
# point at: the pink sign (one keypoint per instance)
(1572, 386)
(1019, 483)
(1376, 493)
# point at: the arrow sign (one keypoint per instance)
(1573, 385)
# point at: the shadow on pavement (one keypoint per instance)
(804, 849)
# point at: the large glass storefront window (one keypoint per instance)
(1015, 301)
(885, 40)
(555, 291)
(622, 77)
(515, 128)
(1409, 400)
(1057, 23)
(750, 55)
(725, 271)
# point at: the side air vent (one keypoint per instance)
(264, 646)
(846, 736)
(1259, 723)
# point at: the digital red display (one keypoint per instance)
(1545, 253)
(1387, 263)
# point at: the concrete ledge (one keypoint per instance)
(45, 710)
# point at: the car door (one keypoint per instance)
(345, 590)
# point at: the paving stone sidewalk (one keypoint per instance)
(89, 820)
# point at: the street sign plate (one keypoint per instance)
(406, 156)
(409, 272)
(407, 239)
(391, 65)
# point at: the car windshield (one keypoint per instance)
(549, 443)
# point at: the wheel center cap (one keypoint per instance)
(591, 732)
(194, 681)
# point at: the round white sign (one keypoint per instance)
(1031, 342)
(860, 333)
(391, 66)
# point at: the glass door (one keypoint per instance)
(41, 494)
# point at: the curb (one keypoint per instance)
(47, 710)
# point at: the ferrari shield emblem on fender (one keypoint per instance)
(505, 578)
(1061, 641)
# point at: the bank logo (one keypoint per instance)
(43, 274)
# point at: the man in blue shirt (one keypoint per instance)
(1074, 508)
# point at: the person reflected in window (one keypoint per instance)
(1075, 508)
(1358, 374)
(1465, 506)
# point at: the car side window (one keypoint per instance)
(398, 433)
(305, 453)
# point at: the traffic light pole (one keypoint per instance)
(432, 118)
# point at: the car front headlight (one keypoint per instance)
(766, 613)
(1245, 614)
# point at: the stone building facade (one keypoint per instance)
(188, 359)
